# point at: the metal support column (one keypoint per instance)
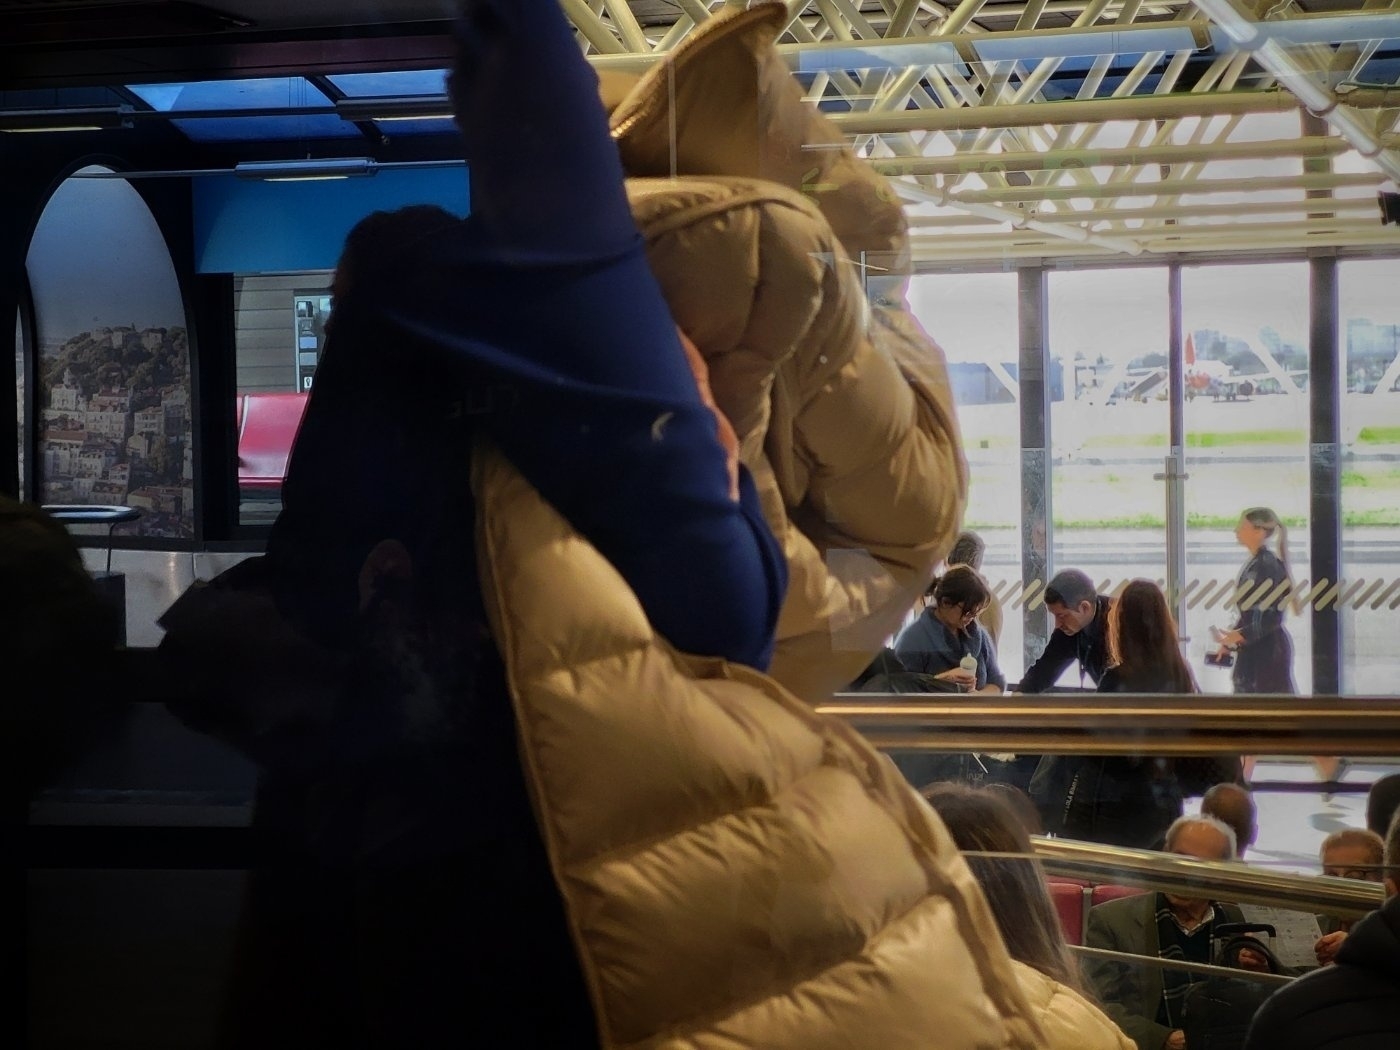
(1325, 373)
(1174, 468)
(1034, 362)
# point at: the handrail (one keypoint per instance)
(1229, 881)
(1184, 967)
(1124, 723)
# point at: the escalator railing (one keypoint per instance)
(1124, 723)
(1235, 882)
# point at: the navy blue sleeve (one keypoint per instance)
(543, 304)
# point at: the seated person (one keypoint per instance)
(1146, 1001)
(947, 644)
(946, 641)
(52, 618)
(1015, 889)
(1354, 1004)
(1352, 853)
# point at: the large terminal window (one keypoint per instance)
(972, 316)
(1369, 341)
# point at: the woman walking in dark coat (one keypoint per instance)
(1262, 646)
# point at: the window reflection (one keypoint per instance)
(973, 318)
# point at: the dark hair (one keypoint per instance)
(1069, 587)
(374, 242)
(1233, 805)
(968, 549)
(1382, 803)
(1143, 643)
(52, 619)
(960, 585)
(1020, 803)
(1015, 888)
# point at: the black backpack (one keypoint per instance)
(1218, 1010)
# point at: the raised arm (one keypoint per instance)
(543, 303)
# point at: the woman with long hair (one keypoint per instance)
(1125, 800)
(1144, 647)
(1014, 886)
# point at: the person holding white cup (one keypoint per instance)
(946, 641)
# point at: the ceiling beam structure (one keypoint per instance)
(1119, 127)
(996, 112)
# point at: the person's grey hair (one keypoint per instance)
(1070, 587)
(1181, 823)
(968, 549)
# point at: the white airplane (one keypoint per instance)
(1203, 374)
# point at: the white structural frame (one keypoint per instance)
(1190, 127)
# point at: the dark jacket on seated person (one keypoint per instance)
(1352, 1005)
(1132, 993)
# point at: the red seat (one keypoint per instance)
(1110, 892)
(267, 426)
(1071, 899)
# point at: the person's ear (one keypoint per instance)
(388, 561)
(1391, 887)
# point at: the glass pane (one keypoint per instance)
(1247, 446)
(973, 318)
(1370, 341)
(1109, 411)
(279, 333)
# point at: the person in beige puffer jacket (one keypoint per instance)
(736, 871)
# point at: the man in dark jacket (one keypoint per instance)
(1354, 1004)
(1081, 633)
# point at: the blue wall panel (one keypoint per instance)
(249, 226)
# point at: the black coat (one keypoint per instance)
(1353, 1005)
(1089, 647)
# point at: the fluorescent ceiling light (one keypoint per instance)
(408, 107)
(95, 118)
(819, 58)
(305, 170)
(1079, 43)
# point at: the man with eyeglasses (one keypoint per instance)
(1351, 853)
(1355, 1004)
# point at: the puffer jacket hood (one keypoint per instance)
(841, 401)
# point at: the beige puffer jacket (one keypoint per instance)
(737, 871)
(846, 416)
(1068, 1021)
